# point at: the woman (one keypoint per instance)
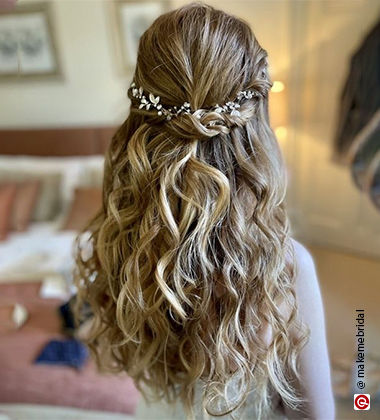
(198, 291)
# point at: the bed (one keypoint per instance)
(35, 267)
(22, 381)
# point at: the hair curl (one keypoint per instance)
(190, 250)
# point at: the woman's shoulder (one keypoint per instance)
(314, 360)
(302, 255)
(306, 283)
(305, 267)
(307, 286)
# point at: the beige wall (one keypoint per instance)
(93, 90)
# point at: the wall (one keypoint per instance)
(93, 91)
(94, 87)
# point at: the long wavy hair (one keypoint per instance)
(191, 255)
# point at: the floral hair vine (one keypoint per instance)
(149, 101)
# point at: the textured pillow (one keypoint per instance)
(49, 203)
(7, 196)
(24, 204)
(86, 203)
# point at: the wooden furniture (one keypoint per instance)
(79, 141)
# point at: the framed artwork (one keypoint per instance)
(27, 47)
(133, 18)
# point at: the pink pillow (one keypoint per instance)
(87, 201)
(7, 196)
(24, 204)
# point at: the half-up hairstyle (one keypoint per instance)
(192, 258)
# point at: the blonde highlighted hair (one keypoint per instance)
(192, 258)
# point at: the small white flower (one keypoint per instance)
(159, 112)
(147, 106)
(159, 106)
(141, 90)
(153, 99)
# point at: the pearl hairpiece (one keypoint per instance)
(151, 101)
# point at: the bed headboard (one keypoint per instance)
(78, 141)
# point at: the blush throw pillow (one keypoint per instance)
(7, 196)
(24, 204)
(86, 203)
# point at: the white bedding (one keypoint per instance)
(44, 250)
(41, 251)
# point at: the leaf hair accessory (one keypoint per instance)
(149, 101)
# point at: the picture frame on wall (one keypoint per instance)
(133, 18)
(27, 45)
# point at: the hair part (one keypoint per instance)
(191, 253)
